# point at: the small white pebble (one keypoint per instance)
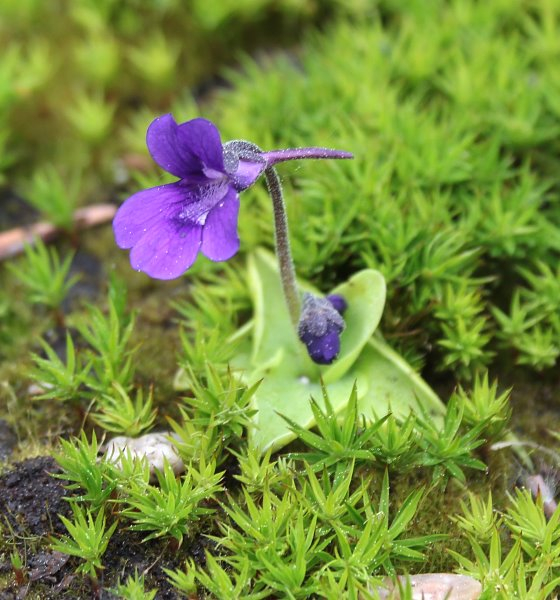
(156, 447)
(39, 388)
(436, 586)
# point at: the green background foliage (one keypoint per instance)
(452, 110)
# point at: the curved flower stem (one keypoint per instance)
(282, 241)
(275, 156)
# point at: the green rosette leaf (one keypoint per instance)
(272, 353)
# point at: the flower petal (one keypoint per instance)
(247, 173)
(338, 302)
(219, 238)
(164, 226)
(144, 210)
(167, 250)
(244, 163)
(203, 139)
(323, 350)
(191, 150)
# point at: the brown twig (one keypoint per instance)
(13, 241)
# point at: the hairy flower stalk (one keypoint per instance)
(240, 155)
(282, 242)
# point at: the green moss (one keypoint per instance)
(454, 186)
(451, 110)
(74, 72)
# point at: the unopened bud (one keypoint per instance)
(320, 326)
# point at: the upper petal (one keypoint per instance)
(191, 150)
(219, 238)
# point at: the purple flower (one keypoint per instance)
(338, 302)
(320, 326)
(167, 226)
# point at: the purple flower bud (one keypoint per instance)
(338, 302)
(319, 328)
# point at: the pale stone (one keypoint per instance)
(156, 447)
(35, 389)
(436, 586)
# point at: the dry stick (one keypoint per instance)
(13, 241)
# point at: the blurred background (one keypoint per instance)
(451, 107)
(80, 80)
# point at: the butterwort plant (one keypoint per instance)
(166, 226)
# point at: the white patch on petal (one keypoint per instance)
(196, 212)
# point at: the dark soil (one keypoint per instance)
(30, 501)
(14, 211)
(92, 278)
(8, 440)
